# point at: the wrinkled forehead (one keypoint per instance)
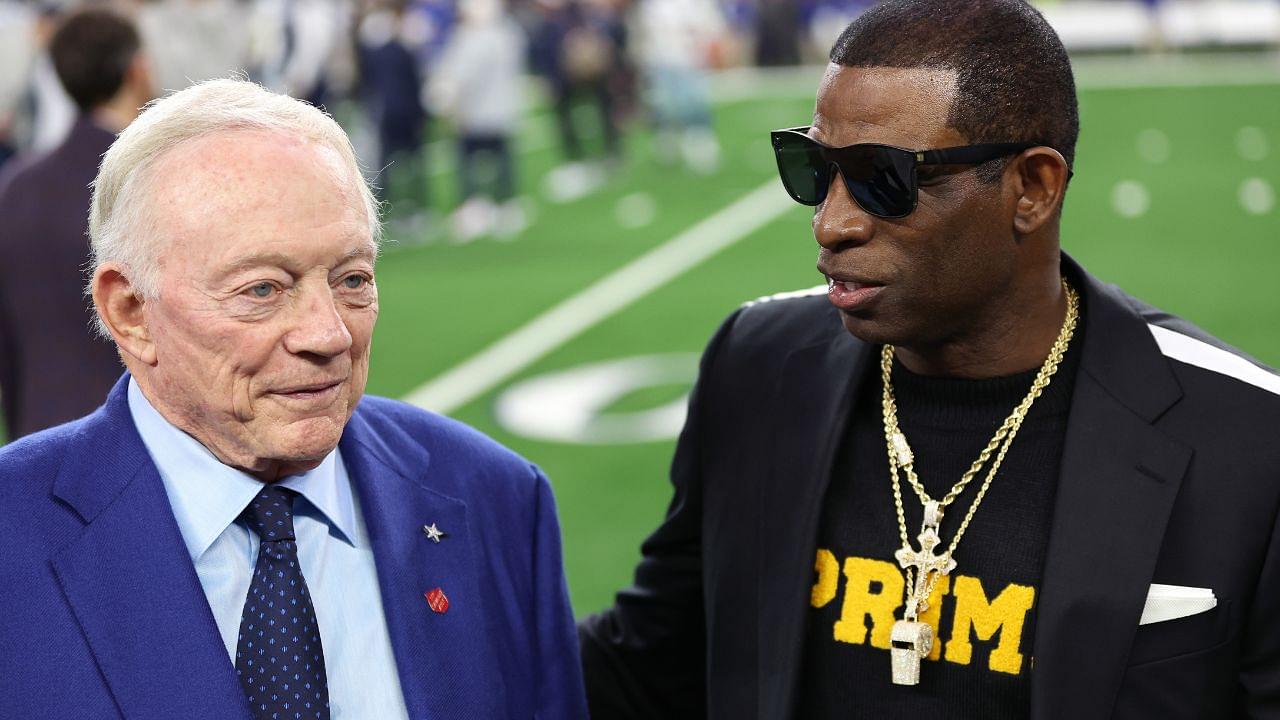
(906, 107)
(229, 160)
(253, 186)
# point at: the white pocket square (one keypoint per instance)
(1170, 602)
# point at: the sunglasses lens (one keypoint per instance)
(880, 179)
(804, 172)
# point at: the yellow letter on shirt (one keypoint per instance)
(828, 569)
(1005, 614)
(860, 602)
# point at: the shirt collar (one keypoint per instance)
(207, 496)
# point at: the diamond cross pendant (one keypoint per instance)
(925, 560)
(912, 640)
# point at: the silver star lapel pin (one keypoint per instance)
(433, 532)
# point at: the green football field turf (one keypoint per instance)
(1174, 199)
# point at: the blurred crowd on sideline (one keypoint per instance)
(400, 74)
(403, 73)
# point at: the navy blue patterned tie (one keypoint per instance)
(278, 656)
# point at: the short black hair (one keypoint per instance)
(1014, 77)
(92, 49)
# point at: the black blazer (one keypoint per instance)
(1170, 474)
(52, 367)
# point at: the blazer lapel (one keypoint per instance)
(1118, 482)
(131, 584)
(437, 655)
(815, 394)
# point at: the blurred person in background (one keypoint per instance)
(17, 51)
(678, 41)
(296, 42)
(53, 112)
(52, 367)
(576, 47)
(478, 83)
(193, 40)
(1156, 42)
(778, 33)
(391, 85)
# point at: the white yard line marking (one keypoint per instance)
(606, 297)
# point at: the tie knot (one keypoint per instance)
(271, 514)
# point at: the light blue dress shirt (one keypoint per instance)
(333, 547)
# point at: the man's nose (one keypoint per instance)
(319, 328)
(840, 221)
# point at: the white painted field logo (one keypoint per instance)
(571, 406)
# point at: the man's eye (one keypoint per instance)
(354, 282)
(262, 290)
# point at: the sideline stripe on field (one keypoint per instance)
(607, 296)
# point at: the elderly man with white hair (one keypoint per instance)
(237, 532)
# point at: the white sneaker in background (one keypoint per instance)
(572, 181)
(473, 219)
(511, 220)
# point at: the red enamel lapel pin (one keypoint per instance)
(437, 600)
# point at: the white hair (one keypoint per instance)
(120, 227)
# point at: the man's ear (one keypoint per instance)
(121, 307)
(1040, 181)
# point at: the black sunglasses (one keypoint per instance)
(881, 178)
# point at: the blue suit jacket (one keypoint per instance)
(102, 614)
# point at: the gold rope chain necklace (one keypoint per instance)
(911, 639)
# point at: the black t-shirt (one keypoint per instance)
(984, 623)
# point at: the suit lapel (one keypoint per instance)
(437, 655)
(816, 393)
(1118, 482)
(131, 584)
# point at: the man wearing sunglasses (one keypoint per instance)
(964, 479)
